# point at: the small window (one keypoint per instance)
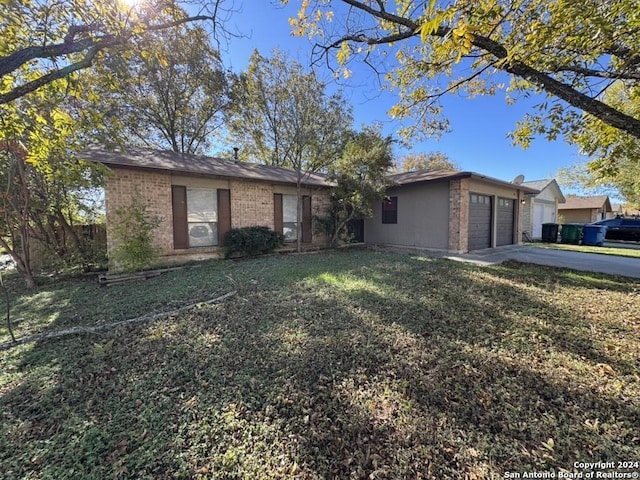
(290, 217)
(390, 210)
(202, 217)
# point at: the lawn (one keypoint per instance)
(358, 365)
(619, 251)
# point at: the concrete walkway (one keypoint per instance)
(590, 262)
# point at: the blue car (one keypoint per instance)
(621, 228)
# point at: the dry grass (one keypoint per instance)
(337, 365)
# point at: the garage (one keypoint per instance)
(542, 213)
(505, 216)
(479, 222)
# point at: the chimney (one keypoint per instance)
(235, 154)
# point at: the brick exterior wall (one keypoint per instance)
(154, 188)
(251, 204)
(320, 203)
(459, 215)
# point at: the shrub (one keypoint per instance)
(134, 231)
(251, 241)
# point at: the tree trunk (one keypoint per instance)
(6, 294)
(299, 214)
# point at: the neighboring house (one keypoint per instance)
(449, 211)
(200, 198)
(584, 209)
(618, 210)
(541, 207)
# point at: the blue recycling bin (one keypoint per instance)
(594, 235)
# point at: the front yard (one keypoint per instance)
(338, 365)
(621, 250)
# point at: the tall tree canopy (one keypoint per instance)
(169, 91)
(43, 42)
(571, 50)
(614, 165)
(284, 116)
(427, 161)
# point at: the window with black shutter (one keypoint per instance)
(390, 210)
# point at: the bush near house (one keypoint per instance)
(133, 230)
(251, 241)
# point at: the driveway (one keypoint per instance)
(590, 262)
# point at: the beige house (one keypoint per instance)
(200, 198)
(541, 207)
(584, 209)
(449, 211)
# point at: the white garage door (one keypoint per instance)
(542, 214)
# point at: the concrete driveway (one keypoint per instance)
(590, 262)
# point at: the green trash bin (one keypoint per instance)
(571, 233)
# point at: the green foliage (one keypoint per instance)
(427, 161)
(360, 177)
(251, 241)
(569, 50)
(47, 44)
(133, 231)
(614, 155)
(283, 116)
(169, 91)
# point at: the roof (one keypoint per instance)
(579, 203)
(434, 175)
(146, 158)
(538, 184)
(546, 183)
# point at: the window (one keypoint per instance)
(290, 217)
(390, 210)
(285, 217)
(202, 217)
(483, 199)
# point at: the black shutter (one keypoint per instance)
(224, 214)
(306, 219)
(179, 206)
(277, 213)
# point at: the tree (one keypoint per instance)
(169, 91)
(360, 177)
(427, 161)
(283, 116)
(15, 202)
(615, 155)
(42, 182)
(570, 50)
(622, 182)
(47, 42)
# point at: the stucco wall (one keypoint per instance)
(585, 215)
(423, 218)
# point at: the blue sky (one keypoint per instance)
(478, 141)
